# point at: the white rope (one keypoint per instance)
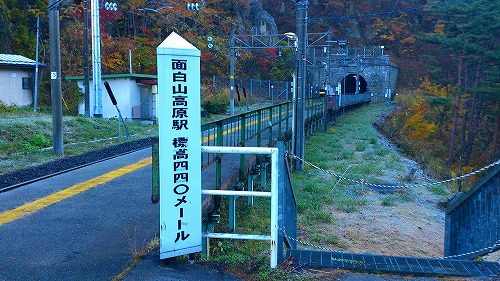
(396, 186)
(490, 249)
(311, 245)
(362, 181)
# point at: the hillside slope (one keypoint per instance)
(347, 215)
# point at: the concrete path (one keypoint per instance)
(86, 236)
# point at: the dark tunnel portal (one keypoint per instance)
(349, 84)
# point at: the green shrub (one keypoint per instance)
(215, 101)
(215, 106)
(38, 140)
(388, 201)
(361, 146)
(72, 97)
(326, 238)
(6, 109)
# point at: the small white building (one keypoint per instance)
(135, 95)
(16, 79)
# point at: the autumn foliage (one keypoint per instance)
(447, 53)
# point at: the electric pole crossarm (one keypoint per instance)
(57, 5)
(323, 35)
(258, 41)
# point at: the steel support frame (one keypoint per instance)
(273, 237)
(301, 26)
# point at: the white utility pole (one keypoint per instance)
(96, 58)
(35, 88)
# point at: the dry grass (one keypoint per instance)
(406, 223)
(138, 255)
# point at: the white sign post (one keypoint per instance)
(179, 147)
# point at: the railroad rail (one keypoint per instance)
(260, 128)
(12, 180)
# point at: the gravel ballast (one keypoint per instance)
(42, 170)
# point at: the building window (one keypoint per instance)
(26, 83)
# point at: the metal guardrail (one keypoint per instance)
(472, 222)
(258, 128)
(287, 205)
(240, 129)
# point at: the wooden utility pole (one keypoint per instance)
(55, 77)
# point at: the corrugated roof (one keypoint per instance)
(117, 75)
(8, 59)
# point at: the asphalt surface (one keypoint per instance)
(91, 235)
(88, 236)
(151, 268)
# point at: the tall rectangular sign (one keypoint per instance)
(179, 146)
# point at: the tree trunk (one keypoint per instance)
(455, 113)
(473, 123)
(464, 139)
(454, 128)
(496, 140)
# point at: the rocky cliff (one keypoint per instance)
(261, 21)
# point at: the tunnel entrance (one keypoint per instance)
(348, 84)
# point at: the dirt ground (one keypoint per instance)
(413, 226)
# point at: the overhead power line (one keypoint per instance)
(339, 18)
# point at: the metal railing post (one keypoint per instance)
(259, 127)
(274, 208)
(273, 237)
(218, 164)
(280, 108)
(271, 123)
(232, 212)
(287, 117)
(242, 143)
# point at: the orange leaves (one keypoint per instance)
(436, 90)
(408, 40)
(389, 38)
(115, 59)
(417, 128)
(439, 29)
(424, 110)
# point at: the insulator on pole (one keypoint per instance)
(111, 6)
(193, 6)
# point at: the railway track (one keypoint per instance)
(12, 180)
(259, 122)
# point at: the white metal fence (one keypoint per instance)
(273, 194)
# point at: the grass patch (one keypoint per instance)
(351, 146)
(26, 137)
(250, 257)
(350, 205)
(400, 197)
(325, 238)
(388, 201)
(439, 190)
(361, 146)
